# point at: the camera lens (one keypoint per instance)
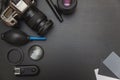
(37, 21)
(67, 6)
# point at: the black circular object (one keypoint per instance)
(15, 56)
(15, 37)
(37, 21)
(67, 6)
(36, 52)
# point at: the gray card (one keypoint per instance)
(103, 70)
(113, 63)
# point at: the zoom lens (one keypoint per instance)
(37, 20)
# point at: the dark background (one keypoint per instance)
(75, 47)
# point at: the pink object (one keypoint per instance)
(67, 3)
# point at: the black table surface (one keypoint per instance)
(75, 47)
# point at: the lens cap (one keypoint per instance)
(15, 56)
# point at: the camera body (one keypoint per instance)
(26, 10)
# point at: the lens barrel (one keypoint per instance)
(37, 20)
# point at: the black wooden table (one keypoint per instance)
(75, 47)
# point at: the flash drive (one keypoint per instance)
(26, 70)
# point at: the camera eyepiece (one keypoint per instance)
(37, 20)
